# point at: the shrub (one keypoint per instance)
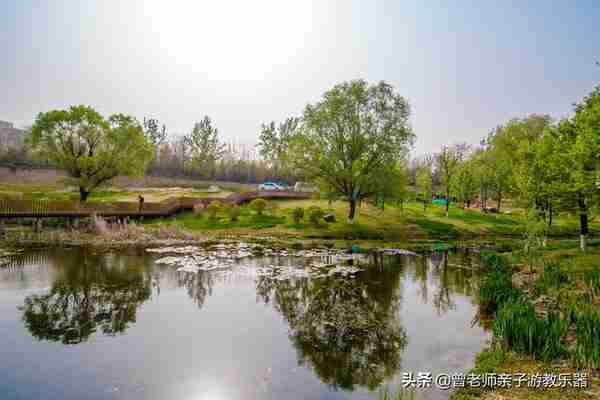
(213, 208)
(298, 214)
(234, 213)
(258, 205)
(315, 214)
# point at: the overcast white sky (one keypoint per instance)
(465, 67)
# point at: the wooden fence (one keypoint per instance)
(66, 209)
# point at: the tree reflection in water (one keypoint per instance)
(347, 330)
(198, 285)
(90, 293)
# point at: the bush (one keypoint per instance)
(212, 209)
(298, 214)
(315, 214)
(258, 205)
(234, 213)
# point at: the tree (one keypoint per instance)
(204, 146)
(447, 163)
(424, 181)
(155, 135)
(394, 185)
(351, 137)
(274, 141)
(90, 148)
(464, 184)
(584, 154)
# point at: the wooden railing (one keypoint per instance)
(18, 208)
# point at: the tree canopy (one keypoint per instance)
(90, 148)
(351, 138)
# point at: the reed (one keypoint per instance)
(587, 350)
(553, 276)
(522, 331)
(592, 281)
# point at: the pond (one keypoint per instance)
(81, 324)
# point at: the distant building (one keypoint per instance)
(11, 137)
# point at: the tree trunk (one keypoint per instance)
(352, 211)
(550, 210)
(583, 222)
(447, 201)
(83, 194)
(401, 206)
(499, 200)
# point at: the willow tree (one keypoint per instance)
(350, 138)
(90, 148)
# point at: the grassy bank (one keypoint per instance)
(546, 319)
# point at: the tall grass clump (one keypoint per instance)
(298, 214)
(258, 205)
(212, 209)
(496, 288)
(522, 331)
(587, 351)
(553, 276)
(592, 281)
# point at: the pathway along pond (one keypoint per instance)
(77, 324)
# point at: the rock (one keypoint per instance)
(329, 217)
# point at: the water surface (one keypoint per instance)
(78, 324)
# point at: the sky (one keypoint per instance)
(464, 66)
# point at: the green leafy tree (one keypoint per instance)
(351, 137)
(424, 181)
(464, 183)
(90, 148)
(204, 147)
(274, 141)
(447, 161)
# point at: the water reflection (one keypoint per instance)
(346, 329)
(90, 293)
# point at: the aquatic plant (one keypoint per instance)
(592, 281)
(522, 331)
(495, 290)
(587, 351)
(553, 276)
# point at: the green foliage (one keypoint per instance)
(315, 214)
(298, 214)
(592, 281)
(533, 240)
(258, 205)
(553, 276)
(234, 213)
(496, 287)
(212, 209)
(204, 146)
(522, 331)
(424, 181)
(587, 352)
(90, 148)
(351, 138)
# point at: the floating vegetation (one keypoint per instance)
(224, 256)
